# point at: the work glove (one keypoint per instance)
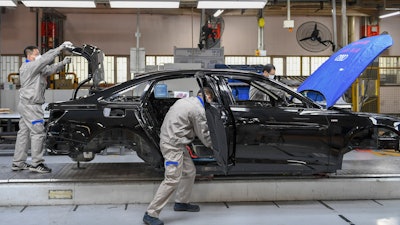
(66, 61)
(67, 45)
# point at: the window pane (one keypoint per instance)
(278, 63)
(235, 60)
(150, 60)
(317, 62)
(9, 64)
(176, 88)
(258, 60)
(122, 71)
(109, 69)
(161, 60)
(305, 66)
(389, 70)
(293, 66)
(79, 65)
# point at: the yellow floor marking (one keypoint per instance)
(386, 153)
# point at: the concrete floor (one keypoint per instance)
(316, 212)
(365, 212)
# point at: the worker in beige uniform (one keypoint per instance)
(184, 121)
(33, 77)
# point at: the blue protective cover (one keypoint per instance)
(337, 74)
(161, 91)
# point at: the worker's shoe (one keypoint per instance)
(149, 220)
(25, 166)
(41, 168)
(186, 207)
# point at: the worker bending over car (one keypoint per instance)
(185, 120)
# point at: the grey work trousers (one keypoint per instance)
(180, 173)
(31, 130)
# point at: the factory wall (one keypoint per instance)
(115, 33)
(17, 29)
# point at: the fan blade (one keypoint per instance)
(305, 38)
(328, 41)
(320, 41)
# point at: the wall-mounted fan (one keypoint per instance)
(314, 37)
(211, 32)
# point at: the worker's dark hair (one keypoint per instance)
(207, 90)
(268, 68)
(29, 50)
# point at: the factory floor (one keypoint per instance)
(374, 211)
(360, 212)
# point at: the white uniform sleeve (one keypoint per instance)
(38, 66)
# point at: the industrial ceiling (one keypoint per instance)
(273, 8)
(372, 8)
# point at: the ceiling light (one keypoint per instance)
(231, 4)
(218, 12)
(145, 4)
(389, 15)
(62, 4)
(8, 3)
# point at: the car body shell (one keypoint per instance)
(292, 135)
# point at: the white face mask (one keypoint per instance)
(38, 57)
(271, 76)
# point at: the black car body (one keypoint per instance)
(288, 134)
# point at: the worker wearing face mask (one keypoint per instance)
(33, 77)
(254, 93)
(269, 71)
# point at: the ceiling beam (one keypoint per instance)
(273, 8)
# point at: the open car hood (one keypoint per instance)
(335, 76)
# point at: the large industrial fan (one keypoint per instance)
(211, 32)
(314, 37)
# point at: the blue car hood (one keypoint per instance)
(336, 75)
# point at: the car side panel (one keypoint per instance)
(80, 130)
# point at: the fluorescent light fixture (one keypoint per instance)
(389, 15)
(61, 4)
(218, 12)
(231, 4)
(145, 4)
(8, 3)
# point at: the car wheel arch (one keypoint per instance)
(371, 129)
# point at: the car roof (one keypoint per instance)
(193, 71)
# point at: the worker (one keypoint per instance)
(33, 77)
(184, 121)
(254, 93)
(269, 71)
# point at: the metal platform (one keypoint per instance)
(131, 181)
